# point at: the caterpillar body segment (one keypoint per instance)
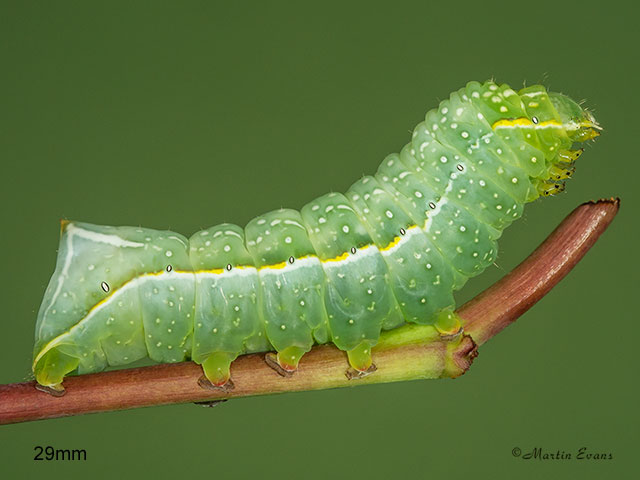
(226, 319)
(390, 250)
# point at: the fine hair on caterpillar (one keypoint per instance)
(391, 250)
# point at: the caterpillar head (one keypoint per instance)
(579, 123)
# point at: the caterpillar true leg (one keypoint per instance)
(562, 172)
(570, 155)
(546, 188)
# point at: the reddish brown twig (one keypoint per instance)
(506, 300)
(406, 353)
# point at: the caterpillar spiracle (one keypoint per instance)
(391, 250)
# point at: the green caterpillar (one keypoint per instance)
(391, 250)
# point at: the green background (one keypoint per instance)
(182, 115)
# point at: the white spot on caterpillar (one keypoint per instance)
(344, 207)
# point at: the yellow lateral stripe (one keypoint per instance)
(275, 266)
(524, 122)
(280, 265)
(339, 258)
(391, 244)
(515, 122)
